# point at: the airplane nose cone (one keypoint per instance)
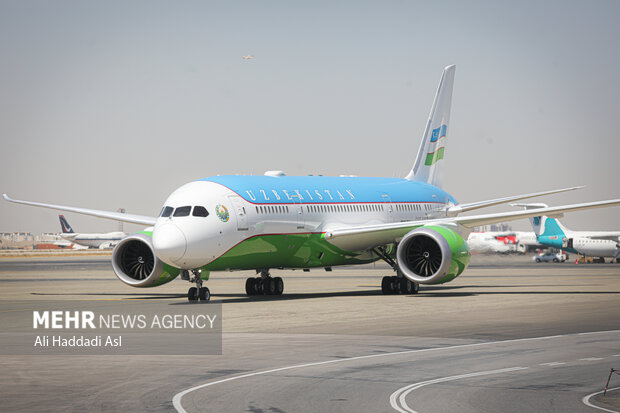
(169, 243)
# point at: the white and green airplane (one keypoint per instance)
(226, 223)
(550, 232)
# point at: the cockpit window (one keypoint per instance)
(166, 211)
(182, 211)
(200, 211)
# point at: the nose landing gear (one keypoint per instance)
(264, 284)
(198, 292)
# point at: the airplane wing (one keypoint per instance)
(608, 237)
(117, 216)
(366, 237)
(457, 209)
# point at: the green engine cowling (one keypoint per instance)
(432, 255)
(135, 263)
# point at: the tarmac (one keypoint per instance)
(508, 335)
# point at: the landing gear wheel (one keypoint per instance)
(416, 288)
(395, 285)
(250, 286)
(385, 285)
(279, 285)
(406, 286)
(192, 294)
(269, 286)
(204, 294)
(390, 285)
(258, 285)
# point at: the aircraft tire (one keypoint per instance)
(279, 285)
(385, 285)
(416, 288)
(250, 286)
(192, 294)
(269, 286)
(204, 294)
(406, 286)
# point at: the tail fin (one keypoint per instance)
(544, 225)
(64, 225)
(428, 164)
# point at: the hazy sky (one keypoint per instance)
(108, 104)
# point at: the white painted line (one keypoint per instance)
(554, 363)
(591, 359)
(176, 400)
(397, 399)
(586, 400)
(616, 355)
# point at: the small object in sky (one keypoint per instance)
(248, 56)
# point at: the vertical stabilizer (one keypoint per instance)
(64, 225)
(543, 225)
(428, 165)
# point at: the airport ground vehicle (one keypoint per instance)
(550, 257)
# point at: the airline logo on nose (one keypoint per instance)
(222, 213)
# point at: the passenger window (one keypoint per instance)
(200, 211)
(167, 211)
(182, 211)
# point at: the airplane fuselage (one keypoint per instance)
(94, 240)
(280, 221)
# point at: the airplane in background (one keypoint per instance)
(91, 240)
(485, 242)
(550, 232)
(240, 222)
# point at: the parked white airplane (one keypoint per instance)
(239, 222)
(485, 242)
(550, 232)
(91, 240)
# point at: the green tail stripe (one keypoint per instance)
(431, 158)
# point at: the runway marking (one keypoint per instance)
(176, 400)
(552, 364)
(591, 359)
(400, 395)
(586, 401)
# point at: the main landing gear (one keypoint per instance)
(397, 284)
(264, 284)
(198, 292)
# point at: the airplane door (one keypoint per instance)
(388, 207)
(299, 210)
(240, 213)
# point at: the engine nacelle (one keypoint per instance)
(432, 255)
(135, 263)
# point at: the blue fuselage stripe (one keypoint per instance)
(328, 190)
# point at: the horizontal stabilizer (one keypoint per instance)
(117, 216)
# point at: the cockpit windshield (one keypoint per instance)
(200, 211)
(184, 211)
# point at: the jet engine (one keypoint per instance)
(432, 255)
(135, 263)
